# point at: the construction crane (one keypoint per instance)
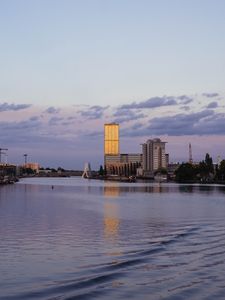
(1, 152)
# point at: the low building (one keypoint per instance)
(172, 167)
(7, 170)
(123, 164)
(33, 166)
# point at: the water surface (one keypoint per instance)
(101, 240)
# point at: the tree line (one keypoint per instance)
(205, 171)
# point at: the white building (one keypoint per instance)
(153, 155)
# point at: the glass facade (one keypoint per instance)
(111, 142)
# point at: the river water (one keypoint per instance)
(86, 239)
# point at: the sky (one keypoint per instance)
(69, 66)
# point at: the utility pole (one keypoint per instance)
(1, 152)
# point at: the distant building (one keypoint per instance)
(172, 167)
(111, 139)
(123, 164)
(7, 169)
(167, 156)
(33, 166)
(154, 157)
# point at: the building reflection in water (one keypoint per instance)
(157, 188)
(116, 191)
(111, 191)
(111, 221)
(111, 218)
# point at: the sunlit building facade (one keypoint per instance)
(116, 163)
(33, 166)
(123, 164)
(111, 139)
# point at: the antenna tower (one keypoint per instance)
(190, 154)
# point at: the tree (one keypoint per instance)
(28, 171)
(162, 171)
(186, 172)
(203, 170)
(101, 171)
(221, 171)
(206, 169)
(209, 163)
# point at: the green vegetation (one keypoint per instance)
(205, 169)
(162, 171)
(29, 171)
(220, 171)
(203, 172)
(101, 171)
(186, 173)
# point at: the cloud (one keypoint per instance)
(33, 132)
(93, 112)
(128, 118)
(205, 122)
(137, 126)
(15, 133)
(180, 124)
(52, 110)
(55, 121)
(151, 103)
(185, 99)
(34, 118)
(126, 115)
(92, 134)
(185, 107)
(210, 95)
(13, 107)
(55, 137)
(156, 102)
(213, 104)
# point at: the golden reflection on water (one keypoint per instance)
(111, 219)
(157, 188)
(111, 191)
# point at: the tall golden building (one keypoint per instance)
(111, 141)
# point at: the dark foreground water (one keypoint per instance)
(95, 240)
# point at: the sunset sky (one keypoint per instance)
(69, 66)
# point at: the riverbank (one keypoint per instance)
(8, 179)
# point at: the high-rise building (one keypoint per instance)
(153, 156)
(114, 162)
(111, 139)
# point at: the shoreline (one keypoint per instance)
(4, 180)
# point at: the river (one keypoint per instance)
(71, 238)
